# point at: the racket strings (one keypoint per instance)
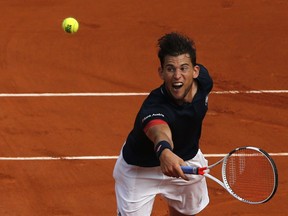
(250, 175)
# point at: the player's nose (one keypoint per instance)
(177, 73)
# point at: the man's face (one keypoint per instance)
(178, 74)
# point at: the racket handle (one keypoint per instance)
(193, 170)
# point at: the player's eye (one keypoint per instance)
(170, 69)
(184, 68)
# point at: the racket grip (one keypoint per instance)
(194, 170)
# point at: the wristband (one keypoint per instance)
(161, 146)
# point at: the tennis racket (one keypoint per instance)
(248, 173)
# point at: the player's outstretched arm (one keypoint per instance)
(170, 163)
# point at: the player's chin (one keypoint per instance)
(178, 95)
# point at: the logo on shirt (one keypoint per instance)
(153, 115)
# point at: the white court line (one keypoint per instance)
(251, 92)
(106, 94)
(88, 94)
(282, 154)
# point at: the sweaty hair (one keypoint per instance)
(175, 44)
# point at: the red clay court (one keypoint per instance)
(242, 43)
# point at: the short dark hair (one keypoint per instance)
(175, 44)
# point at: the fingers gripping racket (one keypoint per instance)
(248, 173)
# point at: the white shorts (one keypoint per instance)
(136, 188)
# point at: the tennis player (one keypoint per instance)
(165, 136)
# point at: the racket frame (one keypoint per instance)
(205, 172)
(226, 185)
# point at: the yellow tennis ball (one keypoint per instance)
(70, 25)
